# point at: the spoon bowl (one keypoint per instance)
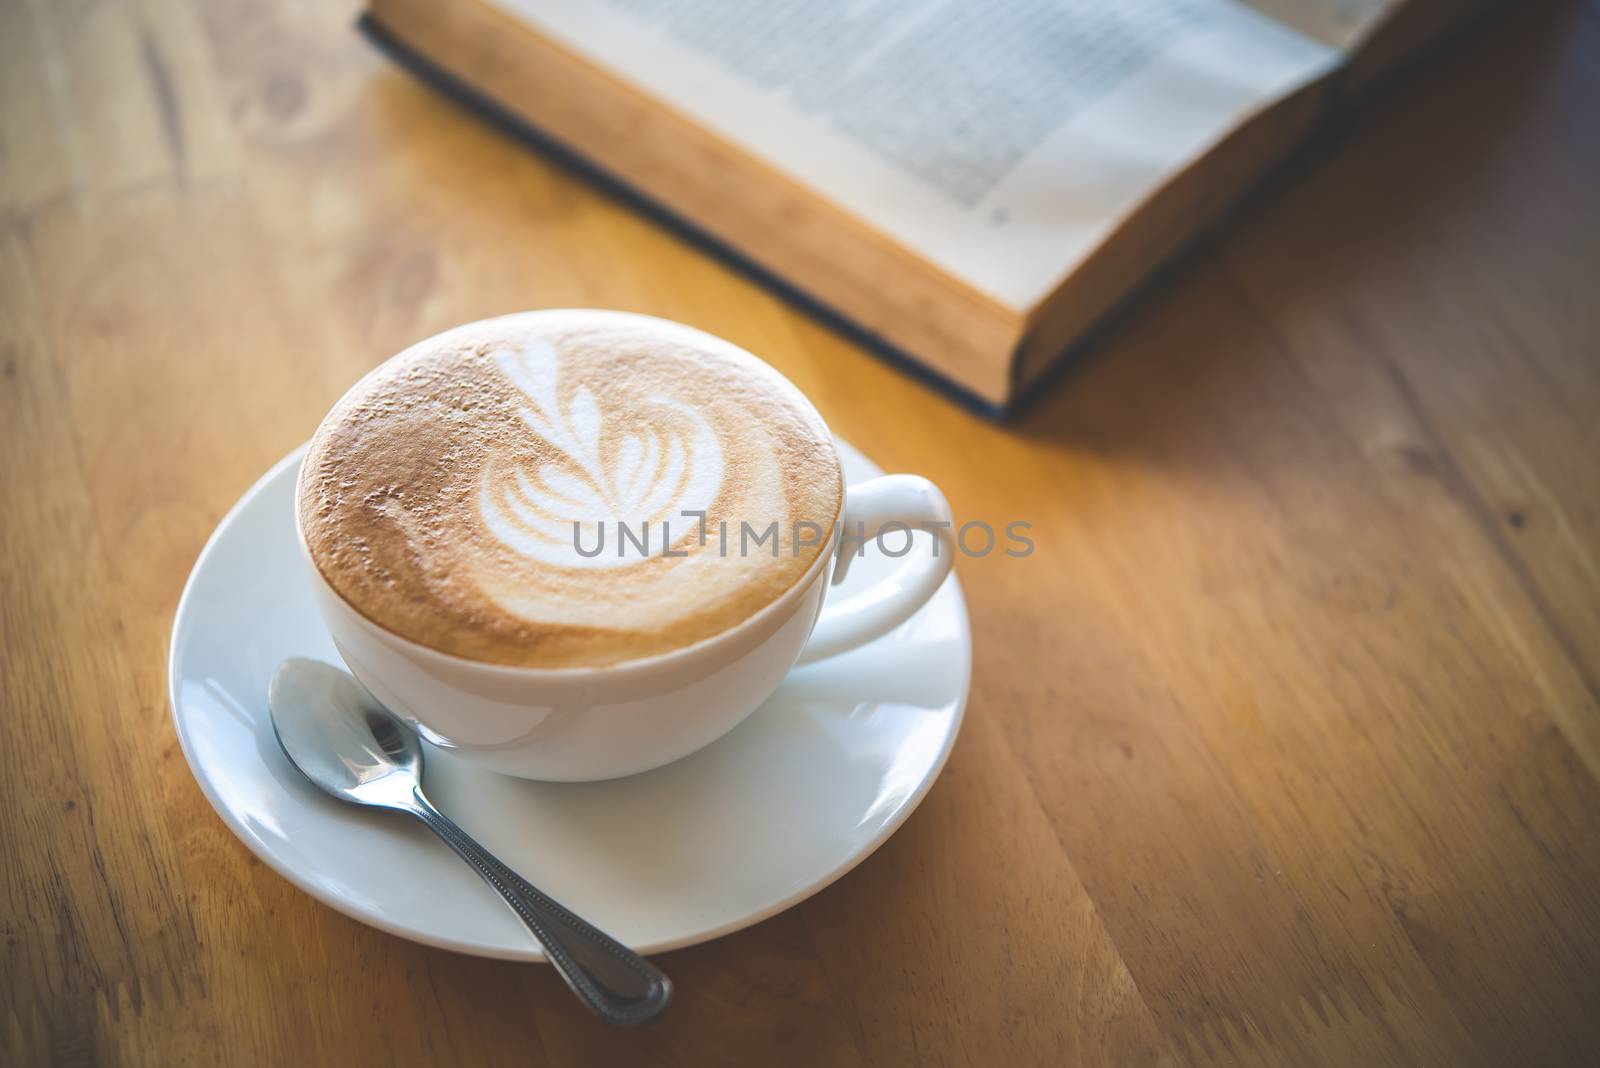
(341, 738)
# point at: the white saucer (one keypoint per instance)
(788, 802)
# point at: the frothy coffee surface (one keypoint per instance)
(439, 497)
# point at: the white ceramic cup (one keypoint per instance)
(580, 724)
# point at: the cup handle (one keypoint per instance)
(892, 502)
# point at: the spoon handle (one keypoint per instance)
(616, 983)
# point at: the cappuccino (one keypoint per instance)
(568, 489)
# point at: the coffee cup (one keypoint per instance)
(441, 569)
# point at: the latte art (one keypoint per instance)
(477, 492)
(667, 465)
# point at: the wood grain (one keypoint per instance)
(1284, 747)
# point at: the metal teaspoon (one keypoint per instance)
(355, 749)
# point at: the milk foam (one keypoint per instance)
(646, 476)
(440, 496)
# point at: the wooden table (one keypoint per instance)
(1282, 749)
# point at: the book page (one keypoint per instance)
(1344, 24)
(1002, 141)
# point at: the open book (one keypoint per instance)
(974, 183)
